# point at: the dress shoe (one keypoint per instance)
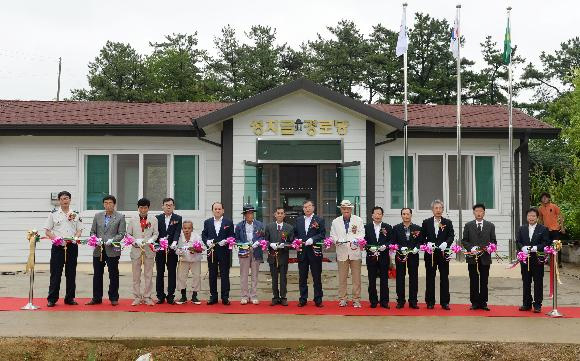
(284, 302)
(171, 302)
(274, 302)
(537, 309)
(525, 308)
(211, 301)
(413, 306)
(51, 304)
(374, 304)
(226, 302)
(71, 303)
(400, 305)
(430, 306)
(445, 307)
(474, 307)
(114, 303)
(318, 304)
(485, 308)
(93, 302)
(160, 301)
(385, 305)
(301, 303)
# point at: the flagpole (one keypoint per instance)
(510, 140)
(405, 130)
(459, 184)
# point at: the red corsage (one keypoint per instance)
(283, 236)
(384, 231)
(354, 228)
(442, 226)
(71, 216)
(416, 234)
(314, 225)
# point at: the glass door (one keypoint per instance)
(349, 184)
(253, 186)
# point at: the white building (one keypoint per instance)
(279, 147)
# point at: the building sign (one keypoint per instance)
(291, 127)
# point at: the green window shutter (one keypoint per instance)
(96, 181)
(396, 166)
(186, 181)
(484, 181)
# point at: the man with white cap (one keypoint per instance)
(346, 231)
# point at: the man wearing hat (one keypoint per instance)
(346, 230)
(248, 233)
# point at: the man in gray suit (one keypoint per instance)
(477, 235)
(110, 227)
(279, 236)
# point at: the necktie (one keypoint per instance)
(479, 227)
(279, 227)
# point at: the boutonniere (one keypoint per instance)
(71, 216)
(442, 226)
(148, 224)
(260, 233)
(283, 236)
(173, 222)
(354, 228)
(314, 225)
(416, 234)
(384, 231)
(226, 227)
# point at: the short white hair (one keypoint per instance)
(187, 221)
(437, 201)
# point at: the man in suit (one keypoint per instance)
(345, 232)
(143, 227)
(63, 223)
(378, 234)
(249, 231)
(438, 234)
(310, 229)
(169, 225)
(408, 237)
(215, 232)
(477, 234)
(531, 238)
(110, 227)
(279, 236)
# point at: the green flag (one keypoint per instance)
(507, 45)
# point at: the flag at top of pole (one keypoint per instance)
(507, 44)
(454, 46)
(403, 40)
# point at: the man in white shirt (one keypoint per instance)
(345, 232)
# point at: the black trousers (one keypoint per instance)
(411, 266)
(478, 283)
(378, 267)
(57, 263)
(112, 264)
(314, 263)
(279, 277)
(553, 236)
(160, 264)
(439, 262)
(536, 274)
(221, 261)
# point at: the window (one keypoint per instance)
(430, 179)
(96, 181)
(437, 179)
(397, 167)
(133, 176)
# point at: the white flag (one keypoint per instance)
(454, 46)
(403, 40)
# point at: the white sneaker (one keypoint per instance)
(356, 304)
(342, 303)
(255, 302)
(244, 301)
(136, 302)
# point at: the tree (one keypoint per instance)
(225, 68)
(383, 73)
(118, 74)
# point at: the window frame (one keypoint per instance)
(415, 155)
(83, 153)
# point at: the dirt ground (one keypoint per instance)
(68, 349)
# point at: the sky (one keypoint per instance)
(34, 34)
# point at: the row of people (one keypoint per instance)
(346, 232)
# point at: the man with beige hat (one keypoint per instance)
(346, 231)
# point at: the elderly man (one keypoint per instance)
(249, 232)
(438, 234)
(346, 231)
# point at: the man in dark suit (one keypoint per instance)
(438, 234)
(531, 238)
(477, 234)
(310, 229)
(169, 225)
(378, 234)
(407, 236)
(279, 236)
(110, 226)
(215, 232)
